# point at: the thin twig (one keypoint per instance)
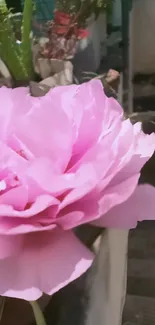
(3, 300)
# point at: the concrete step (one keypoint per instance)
(139, 311)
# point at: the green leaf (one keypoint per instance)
(18, 58)
(9, 49)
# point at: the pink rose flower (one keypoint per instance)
(67, 158)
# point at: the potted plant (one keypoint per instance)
(91, 15)
(88, 52)
(19, 64)
(53, 54)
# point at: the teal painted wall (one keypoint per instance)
(43, 10)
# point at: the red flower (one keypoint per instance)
(64, 24)
(61, 30)
(61, 18)
(82, 33)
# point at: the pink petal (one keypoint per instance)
(41, 203)
(22, 101)
(132, 150)
(84, 106)
(11, 160)
(46, 264)
(9, 246)
(43, 172)
(18, 146)
(123, 147)
(5, 112)
(119, 155)
(50, 132)
(64, 96)
(14, 102)
(81, 179)
(79, 212)
(89, 100)
(139, 206)
(137, 154)
(113, 113)
(15, 227)
(96, 154)
(87, 179)
(114, 195)
(91, 169)
(16, 197)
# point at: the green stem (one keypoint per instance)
(39, 317)
(26, 46)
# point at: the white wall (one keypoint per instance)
(143, 36)
(116, 13)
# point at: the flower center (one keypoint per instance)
(9, 182)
